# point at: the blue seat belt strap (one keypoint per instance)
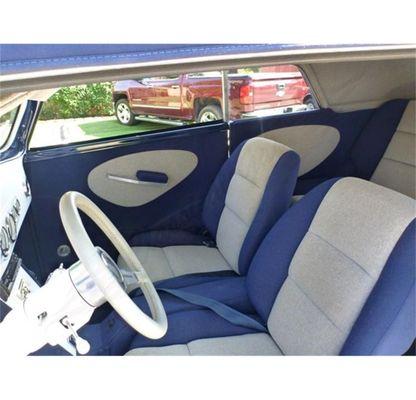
(229, 314)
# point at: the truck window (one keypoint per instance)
(142, 106)
(273, 90)
(128, 107)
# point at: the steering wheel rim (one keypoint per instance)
(69, 206)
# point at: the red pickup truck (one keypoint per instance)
(198, 96)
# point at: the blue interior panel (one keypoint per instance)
(364, 136)
(54, 171)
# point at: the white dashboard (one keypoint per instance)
(15, 281)
(15, 199)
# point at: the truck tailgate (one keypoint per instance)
(268, 89)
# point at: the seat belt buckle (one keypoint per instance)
(209, 243)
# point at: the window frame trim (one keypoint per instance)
(127, 136)
(20, 109)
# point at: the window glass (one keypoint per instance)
(141, 106)
(129, 107)
(6, 125)
(271, 90)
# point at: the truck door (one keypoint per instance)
(163, 96)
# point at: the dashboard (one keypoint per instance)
(15, 198)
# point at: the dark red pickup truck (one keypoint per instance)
(198, 97)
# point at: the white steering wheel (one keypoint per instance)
(115, 294)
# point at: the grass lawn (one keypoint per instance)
(104, 129)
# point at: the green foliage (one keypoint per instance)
(79, 101)
(9, 116)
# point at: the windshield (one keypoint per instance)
(6, 125)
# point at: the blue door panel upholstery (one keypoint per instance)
(52, 172)
(365, 135)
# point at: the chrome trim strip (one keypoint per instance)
(136, 104)
(133, 181)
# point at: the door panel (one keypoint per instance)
(331, 144)
(323, 138)
(116, 180)
(52, 172)
(313, 143)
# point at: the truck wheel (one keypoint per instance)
(210, 113)
(124, 113)
(310, 104)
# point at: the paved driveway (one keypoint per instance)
(62, 131)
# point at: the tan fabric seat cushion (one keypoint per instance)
(168, 262)
(255, 344)
(397, 168)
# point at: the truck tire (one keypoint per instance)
(310, 103)
(210, 113)
(123, 112)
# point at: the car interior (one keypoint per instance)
(289, 234)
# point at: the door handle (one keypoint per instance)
(143, 178)
(152, 177)
(175, 87)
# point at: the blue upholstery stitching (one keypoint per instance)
(399, 161)
(248, 180)
(234, 213)
(314, 304)
(406, 132)
(168, 262)
(341, 252)
(135, 54)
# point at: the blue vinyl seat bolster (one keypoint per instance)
(215, 201)
(265, 277)
(370, 146)
(386, 324)
(276, 199)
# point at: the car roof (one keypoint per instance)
(19, 58)
(25, 67)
